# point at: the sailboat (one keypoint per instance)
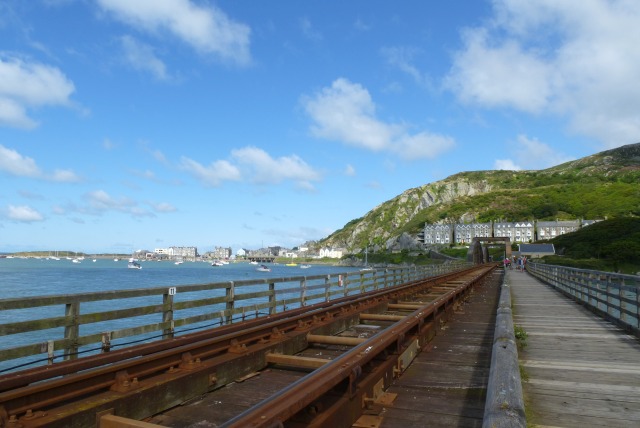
(366, 263)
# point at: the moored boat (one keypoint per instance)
(263, 268)
(133, 264)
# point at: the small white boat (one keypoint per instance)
(133, 264)
(217, 263)
(263, 268)
(75, 261)
(253, 263)
(305, 266)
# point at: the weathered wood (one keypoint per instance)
(505, 403)
(296, 361)
(380, 317)
(112, 421)
(446, 384)
(229, 301)
(335, 340)
(582, 370)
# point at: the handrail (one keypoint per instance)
(504, 405)
(613, 296)
(76, 324)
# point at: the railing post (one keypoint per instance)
(637, 289)
(303, 292)
(167, 312)
(345, 284)
(609, 295)
(327, 286)
(72, 330)
(231, 295)
(272, 298)
(621, 302)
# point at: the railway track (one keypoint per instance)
(333, 362)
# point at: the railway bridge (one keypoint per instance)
(385, 348)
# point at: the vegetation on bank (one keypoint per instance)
(604, 185)
(611, 245)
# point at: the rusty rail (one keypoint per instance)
(72, 393)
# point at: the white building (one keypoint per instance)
(332, 253)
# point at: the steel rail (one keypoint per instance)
(125, 370)
(38, 374)
(279, 408)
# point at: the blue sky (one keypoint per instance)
(156, 123)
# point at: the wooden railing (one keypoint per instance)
(611, 295)
(48, 328)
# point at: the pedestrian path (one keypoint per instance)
(579, 370)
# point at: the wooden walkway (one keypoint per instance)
(580, 370)
(447, 386)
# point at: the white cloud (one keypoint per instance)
(345, 112)
(506, 164)
(164, 207)
(25, 85)
(350, 170)
(212, 175)
(100, 202)
(18, 165)
(207, 29)
(576, 59)
(254, 165)
(23, 214)
(14, 163)
(402, 58)
(142, 57)
(530, 153)
(264, 169)
(64, 175)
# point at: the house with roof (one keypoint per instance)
(520, 231)
(464, 233)
(438, 233)
(551, 229)
(535, 251)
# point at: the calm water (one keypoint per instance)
(39, 277)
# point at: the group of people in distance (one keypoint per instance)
(519, 262)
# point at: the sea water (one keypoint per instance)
(28, 277)
(24, 277)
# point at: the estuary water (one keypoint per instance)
(22, 277)
(28, 277)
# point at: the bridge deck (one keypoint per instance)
(446, 387)
(582, 370)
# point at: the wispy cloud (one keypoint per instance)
(345, 112)
(212, 175)
(142, 57)
(530, 153)
(254, 165)
(22, 214)
(30, 85)
(205, 28)
(402, 58)
(575, 59)
(13, 163)
(309, 31)
(99, 202)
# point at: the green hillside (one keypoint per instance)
(611, 245)
(604, 185)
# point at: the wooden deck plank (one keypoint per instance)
(446, 385)
(582, 370)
